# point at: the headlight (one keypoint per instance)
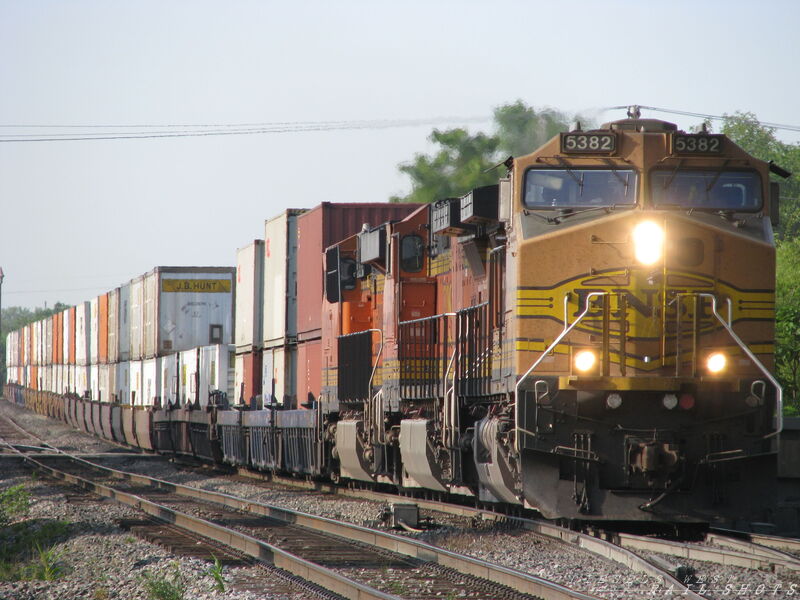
(585, 361)
(614, 401)
(716, 362)
(670, 401)
(648, 242)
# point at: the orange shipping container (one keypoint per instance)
(58, 331)
(102, 328)
(71, 334)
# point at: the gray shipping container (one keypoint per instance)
(124, 328)
(249, 296)
(113, 329)
(82, 319)
(94, 332)
(137, 318)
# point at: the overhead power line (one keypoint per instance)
(687, 113)
(168, 131)
(85, 132)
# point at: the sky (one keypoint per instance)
(79, 218)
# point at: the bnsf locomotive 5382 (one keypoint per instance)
(593, 337)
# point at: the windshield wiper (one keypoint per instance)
(672, 175)
(623, 180)
(717, 175)
(570, 172)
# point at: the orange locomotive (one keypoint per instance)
(593, 337)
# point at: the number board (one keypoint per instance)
(702, 143)
(588, 143)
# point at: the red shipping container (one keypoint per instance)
(309, 372)
(71, 334)
(317, 229)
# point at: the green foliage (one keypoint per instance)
(13, 501)
(47, 565)
(464, 161)
(161, 587)
(747, 132)
(521, 130)
(787, 325)
(215, 572)
(26, 550)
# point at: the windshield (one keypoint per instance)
(713, 189)
(576, 188)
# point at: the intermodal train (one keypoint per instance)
(592, 337)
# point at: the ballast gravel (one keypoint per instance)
(101, 561)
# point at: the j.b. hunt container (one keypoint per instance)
(181, 308)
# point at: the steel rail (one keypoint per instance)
(257, 549)
(770, 541)
(738, 553)
(593, 545)
(521, 582)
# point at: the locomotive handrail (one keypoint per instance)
(567, 328)
(778, 389)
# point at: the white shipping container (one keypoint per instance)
(279, 377)
(135, 382)
(82, 318)
(249, 296)
(137, 318)
(94, 332)
(108, 378)
(280, 278)
(94, 380)
(66, 335)
(188, 376)
(82, 380)
(187, 307)
(69, 379)
(113, 326)
(151, 380)
(48, 341)
(37, 343)
(26, 341)
(11, 348)
(124, 328)
(58, 379)
(169, 379)
(215, 371)
(123, 382)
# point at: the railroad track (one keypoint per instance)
(748, 552)
(353, 561)
(631, 551)
(15, 438)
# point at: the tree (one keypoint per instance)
(466, 161)
(760, 141)
(521, 130)
(787, 323)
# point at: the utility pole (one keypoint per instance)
(3, 341)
